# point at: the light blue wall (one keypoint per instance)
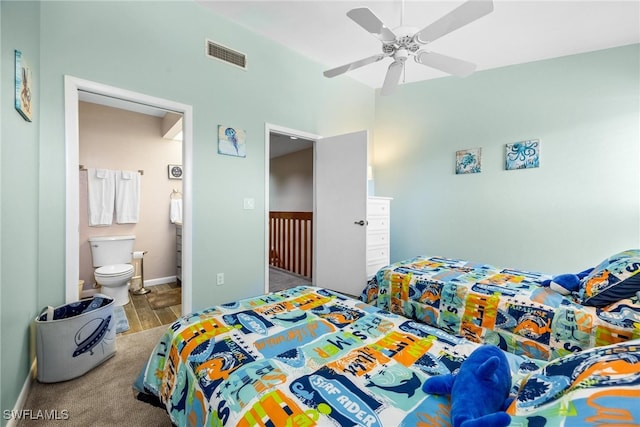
(580, 206)
(19, 189)
(155, 48)
(148, 48)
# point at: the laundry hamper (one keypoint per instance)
(74, 338)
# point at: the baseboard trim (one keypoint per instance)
(24, 393)
(160, 281)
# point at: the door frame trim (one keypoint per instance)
(268, 128)
(71, 87)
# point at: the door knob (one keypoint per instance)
(361, 222)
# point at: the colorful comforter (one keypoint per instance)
(308, 356)
(505, 307)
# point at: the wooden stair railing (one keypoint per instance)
(290, 241)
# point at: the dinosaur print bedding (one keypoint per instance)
(505, 307)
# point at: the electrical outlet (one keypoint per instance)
(220, 279)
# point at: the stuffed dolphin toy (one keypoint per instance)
(566, 283)
(479, 391)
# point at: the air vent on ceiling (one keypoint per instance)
(223, 53)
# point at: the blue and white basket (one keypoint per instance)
(74, 338)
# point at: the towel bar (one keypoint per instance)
(83, 168)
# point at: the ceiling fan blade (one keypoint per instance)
(368, 20)
(392, 78)
(353, 65)
(450, 65)
(459, 17)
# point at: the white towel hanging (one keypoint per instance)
(127, 197)
(175, 214)
(101, 188)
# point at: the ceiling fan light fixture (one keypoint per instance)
(403, 42)
(401, 55)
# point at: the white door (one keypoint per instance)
(341, 213)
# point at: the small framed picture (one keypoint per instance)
(231, 141)
(175, 171)
(23, 79)
(523, 155)
(469, 161)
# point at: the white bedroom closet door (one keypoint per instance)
(341, 212)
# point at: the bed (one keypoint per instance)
(509, 308)
(310, 356)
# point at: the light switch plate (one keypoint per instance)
(249, 203)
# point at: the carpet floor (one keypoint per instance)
(280, 279)
(104, 396)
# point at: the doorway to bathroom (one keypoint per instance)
(124, 144)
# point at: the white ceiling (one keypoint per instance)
(516, 32)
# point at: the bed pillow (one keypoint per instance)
(615, 278)
(585, 388)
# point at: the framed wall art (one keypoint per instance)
(175, 171)
(231, 141)
(469, 161)
(23, 79)
(523, 155)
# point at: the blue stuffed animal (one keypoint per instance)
(479, 391)
(566, 283)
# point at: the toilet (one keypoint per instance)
(112, 259)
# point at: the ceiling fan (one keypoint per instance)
(403, 42)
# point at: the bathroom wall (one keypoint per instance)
(123, 140)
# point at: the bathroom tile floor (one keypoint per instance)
(141, 316)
